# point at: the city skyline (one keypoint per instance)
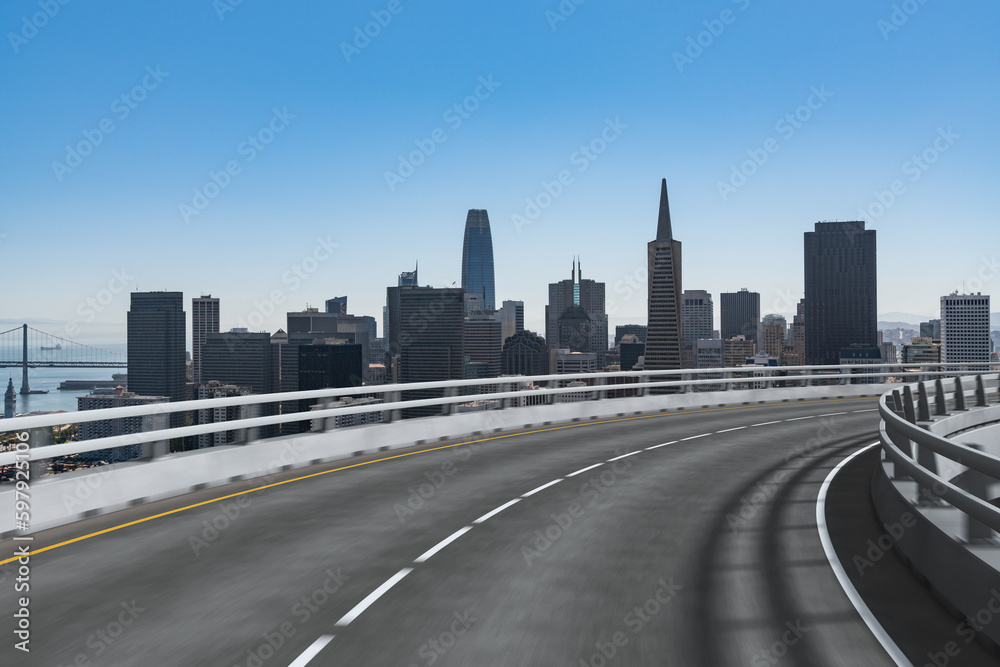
(846, 132)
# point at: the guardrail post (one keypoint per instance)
(977, 484)
(391, 397)
(449, 408)
(252, 434)
(152, 450)
(38, 437)
(959, 395)
(940, 403)
(897, 402)
(727, 386)
(600, 393)
(980, 391)
(908, 405)
(923, 407)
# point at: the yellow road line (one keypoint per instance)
(422, 451)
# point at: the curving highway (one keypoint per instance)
(686, 538)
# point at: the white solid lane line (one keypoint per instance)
(662, 444)
(583, 470)
(311, 652)
(692, 437)
(372, 597)
(727, 430)
(838, 569)
(442, 544)
(496, 511)
(766, 423)
(795, 419)
(624, 455)
(543, 486)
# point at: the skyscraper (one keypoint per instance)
(157, 363)
(525, 353)
(740, 314)
(337, 305)
(243, 359)
(204, 320)
(430, 343)
(582, 296)
(477, 259)
(511, 318)
(483, 342)
(697, 315)
(965, 330)
(840, 286)
(664, 335)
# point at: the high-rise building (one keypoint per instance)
(630, 349)
(216, 389)
(105, 428)
(337, 305)
(477, 258)
(583, 296)
(740, 314)
(795, 353)
(709, 353)
(9, 400)
(840, 286)
(325, 363)
(665, 333)
(921, 351)
(157, 359)
(965, 330)
(242, 359)
(431, 346)
(931, 329)
(772, 335)
(737, 350)
(204, 320)
(483, 343)
(524, 353)
(697, 315)
(391, 324)
(511, 318)
(637, 330)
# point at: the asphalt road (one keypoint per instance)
(700, 552)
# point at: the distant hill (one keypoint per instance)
(906, 320)
(898, 325)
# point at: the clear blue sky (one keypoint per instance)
(887, 95)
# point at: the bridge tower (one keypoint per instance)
(25, 389)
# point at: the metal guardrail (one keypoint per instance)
(900, 432)
(598, 385)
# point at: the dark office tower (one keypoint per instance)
(157, 364)
(337, 305)
(931, 329)
(740, 314)
(390, 327)
(586, 294)
(204, 320)
(431, 346)
(511, 318)
(525, 353)
(483, 342)
(840, 300)
(477, 259)
(697, 315)
(665, 335)
(637, 330)
(242, 359)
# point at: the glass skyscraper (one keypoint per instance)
(477, 258)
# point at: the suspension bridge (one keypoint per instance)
(28, 347)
